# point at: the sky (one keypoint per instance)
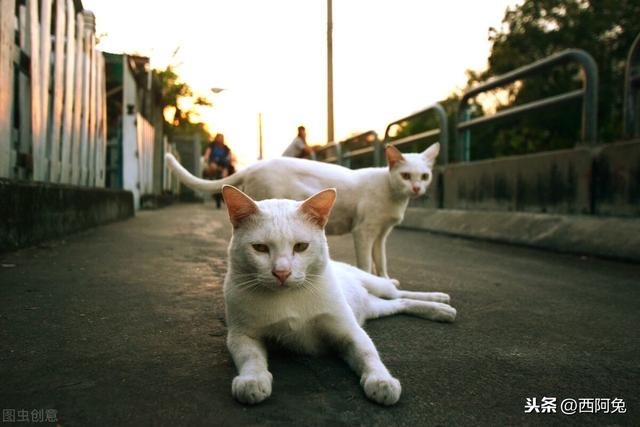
(390, 59)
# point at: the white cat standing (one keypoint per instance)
(372, 200)
(282, 287)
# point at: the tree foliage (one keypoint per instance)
(534, 30)
(172, 89)
(539, 28)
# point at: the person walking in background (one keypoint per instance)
(218, 162)
(217, 157)
(298, 147)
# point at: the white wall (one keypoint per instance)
(130, 163)
(137, 142)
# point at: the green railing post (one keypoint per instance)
(338, 148)
(588, 94)
(377, 153)
(368, 143)
(442, 132)
(630, 120)
(466, 140)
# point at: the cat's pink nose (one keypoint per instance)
(282, 275)
(416, 189)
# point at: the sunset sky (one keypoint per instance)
(391, 58)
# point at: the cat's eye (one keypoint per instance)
(259, 247)
(300, 247)
(424, 176)
(405, 175)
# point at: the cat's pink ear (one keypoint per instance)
(393, 156)
(318, 207)
(431, 153)
(239, 205)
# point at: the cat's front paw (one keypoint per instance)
(440, 297)
(252, 389)
(444, 313)
(384, 390)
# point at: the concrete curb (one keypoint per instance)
(31, 212)
(157, 201)
(607, 237)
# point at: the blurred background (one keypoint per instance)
(389, 59)
(99, 91)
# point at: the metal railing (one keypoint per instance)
(329, 153)
(356, 147)
(442, 131)
(588, 93)
(631, 106)
(344, 152)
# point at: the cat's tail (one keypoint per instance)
(199, 184)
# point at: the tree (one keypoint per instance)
(539, 28)
(534, 30)
(172, 90)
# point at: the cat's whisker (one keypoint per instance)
(309, 286)
(245, 275)
(246, 285)
(246, 281)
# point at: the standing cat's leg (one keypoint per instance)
(363, 240)
(439, 312)
(253, 383)
(386, 288)
(380, 253)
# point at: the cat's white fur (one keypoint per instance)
(372, 200)
(298, 297)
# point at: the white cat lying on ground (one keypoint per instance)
(281, 286)
(372, 200)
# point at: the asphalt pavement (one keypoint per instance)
(124, 325)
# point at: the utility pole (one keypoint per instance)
(259, 136)
(329, 71)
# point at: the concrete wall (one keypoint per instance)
(583, 201)
(130, 161)
(604, 180)
(31, 212)
(617, 180)
(607, 237)
(552, 182)
(190, 150)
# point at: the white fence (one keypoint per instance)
(53, 128)
(145, 154)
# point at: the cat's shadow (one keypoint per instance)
(320, 377)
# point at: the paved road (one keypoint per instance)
(123, 325)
